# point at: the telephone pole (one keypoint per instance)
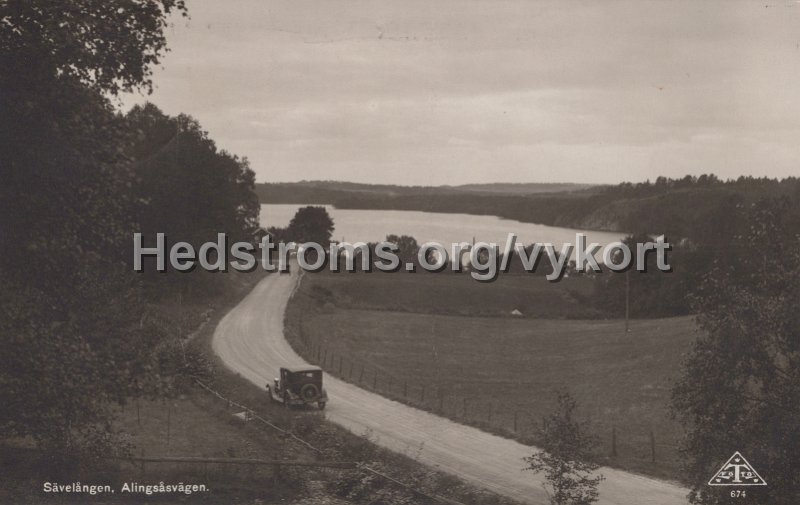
(627, 300)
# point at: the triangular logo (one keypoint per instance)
(737, 472)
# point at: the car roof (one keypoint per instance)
(302, 368)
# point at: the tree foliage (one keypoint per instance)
(566, 457)
(311, 224)
(407, 248)
(76, 330)
(185, 187)
(652, 293)
(740, 386)
(108, 45)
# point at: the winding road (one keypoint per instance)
(250, 341)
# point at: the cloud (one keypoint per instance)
(423, 92)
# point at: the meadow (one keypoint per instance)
(448, 344)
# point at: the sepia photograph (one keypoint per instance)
(381, 252)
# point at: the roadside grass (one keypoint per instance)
(191, 424)
(498, 373)
(198, 424)
(335, 444)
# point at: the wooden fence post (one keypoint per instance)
(405, 389)
(361, 376)
(613, 441)
(515, 421)
(652, 447)
(375, 380)
(340, 365)
(169, 415)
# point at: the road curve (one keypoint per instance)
(250, 341)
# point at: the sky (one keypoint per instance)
(456, 92)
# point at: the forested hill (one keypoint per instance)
(329, 191)
(685, 207)
(334, 191)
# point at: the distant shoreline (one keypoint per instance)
(550, 204)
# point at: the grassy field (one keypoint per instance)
(402, 335)
(457, 294)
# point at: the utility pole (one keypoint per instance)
(627, 300)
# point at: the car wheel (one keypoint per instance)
(309, 392)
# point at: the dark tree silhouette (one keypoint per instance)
(72, 337)
(109, 45)
(311, 224)
(407, 248)
(187, 188)
(740, 387)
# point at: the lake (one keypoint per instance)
(354, 225)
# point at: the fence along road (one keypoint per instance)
(250, 341)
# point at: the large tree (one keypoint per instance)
(311, 224)
(407, 248)
(740, 387)
(73, 338)
(108, 45)
(185, 186)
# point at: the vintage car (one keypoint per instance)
(299, 385)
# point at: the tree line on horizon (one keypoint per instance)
(625, 207)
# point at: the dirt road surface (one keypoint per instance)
(250, 341)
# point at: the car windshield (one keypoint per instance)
(307, 375)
